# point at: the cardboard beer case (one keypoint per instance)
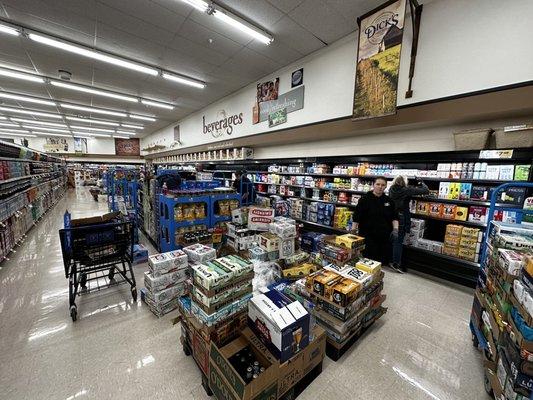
(164, 281)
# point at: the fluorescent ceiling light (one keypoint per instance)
(98, 92)
(142, 117)
(2, 134)
(6, 118)
(14, 130)
(121, 137)
(126, 133)
(243, 26)
(96, 55)
(183, 80)
(156, 104)
(20, 75)
(44, 128)
(26, 99)
(52, 134)
(32, 121)
(92, 129)
(9, 30)
(8, 124)
(30, 112)
(132, 126)
(90, 134)
(93, 110)
(92, 121)
(200, 5)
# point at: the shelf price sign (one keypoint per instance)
(496, 154)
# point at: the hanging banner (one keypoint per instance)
(127, 147)
(55, 145)
(80, 145)
(378, 60)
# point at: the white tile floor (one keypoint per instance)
(421, 349)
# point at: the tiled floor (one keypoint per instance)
(421, 349)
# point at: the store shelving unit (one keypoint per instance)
(25, 198)
(448, 267)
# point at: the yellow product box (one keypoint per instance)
(461, 213)
(318, 281)
(528, 264)
(455, 230)
(422, 207)
(452, 240)
(299, 271)
(345, 291)
(350, 241)
(367, 265)
(467, 254)
(472, 232)
(469, 242)
(448, 211)
(450, 250)
(435, 210)
(455, 190)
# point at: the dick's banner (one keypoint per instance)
(378, 60)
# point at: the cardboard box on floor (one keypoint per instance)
(99, 219)
(226, 383)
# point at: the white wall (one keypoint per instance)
(94, 146)
(465, 46)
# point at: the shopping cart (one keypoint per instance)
(93, 254)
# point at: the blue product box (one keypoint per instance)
(280, 323)
(310, 241)
(327, 221)
(140, 254)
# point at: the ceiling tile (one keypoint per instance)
(351, 10)
(286, 5)
(250, 64)
(197, 52)
(325, 22)
(202, 35)
(183, 63)
(258, 12)
(222, 28)
(296, 37)
(174, 6)
(276, 51)
(148, 11)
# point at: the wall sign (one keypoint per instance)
(297, 77)
(127, 147)
(378, 61)
(224, 124)
(56, 145)
(495, 154)
(277, 118)
(267, 91)
(292, 101)
(80, 145)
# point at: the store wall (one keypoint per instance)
(94, 146)
(465, 46)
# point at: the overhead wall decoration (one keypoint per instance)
(56, 145)
(293, 100)
(127, 147)
(80, 145)
(378, 60)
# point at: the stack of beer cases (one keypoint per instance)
(503, 310)
(346, 293)
(165, 281)
(220, 289)
(462, 242)
(278, 243)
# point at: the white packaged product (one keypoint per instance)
(179, 258)
(528, 302)
(519, 291)
(199, 253)
(209, 277)
(164, 281)
(510, 261)
(166, 295)
(160, 264)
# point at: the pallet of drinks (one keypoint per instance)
(502, 314)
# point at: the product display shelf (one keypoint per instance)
(327, 227)
(215, 218)
(444, 256)
(480, 225)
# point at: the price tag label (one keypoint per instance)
(496, 154)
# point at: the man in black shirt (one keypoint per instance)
(245, 187)
(376, 219)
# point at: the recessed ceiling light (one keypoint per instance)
(132, 126)
(14, 130)
(126, 133)
(98, 92)
(6, 118)
(83, 51)
(185, 81)
(93, 110)
(200, 5)
(142, 117)
(92, 121)
(20, 75)
(121, 137)
(45, 128)
(5, 134)
(30, 112)
(156, 104)
(26, 99)
(91, 129)
(9, 30)
(35, 122)
(90, 134)
(8, 124)
(52, 134)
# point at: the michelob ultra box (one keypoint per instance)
(280, 323)
(210, 276)
(199, 253)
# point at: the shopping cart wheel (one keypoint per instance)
(111, 274)
(83, 281)
(73, 313)
(487, 385)
(475, 341)
(187, 350)
(134, 294)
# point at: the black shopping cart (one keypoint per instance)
(94, 253)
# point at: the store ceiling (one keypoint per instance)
(171, 35)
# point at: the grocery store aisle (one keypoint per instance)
(421, 349)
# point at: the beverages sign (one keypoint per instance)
(223, 124)
(292, 101)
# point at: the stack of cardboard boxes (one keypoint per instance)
(502, 314)
(416, 232)
(165, 281)
(463, 242)
(278, 243)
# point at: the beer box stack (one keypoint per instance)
(296, 208)
(462, 242)
(165, 281)
(285, 230)
(506, 300)
(221, 288)
(347, 299)
(239, 236)
(416, 232)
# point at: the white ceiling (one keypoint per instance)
(171, 35)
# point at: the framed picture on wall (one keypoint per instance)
(127, 147)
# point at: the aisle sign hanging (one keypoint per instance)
(378, 60)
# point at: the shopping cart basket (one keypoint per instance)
(89, 251)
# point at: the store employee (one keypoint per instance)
(376, 219)
(245, 187)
